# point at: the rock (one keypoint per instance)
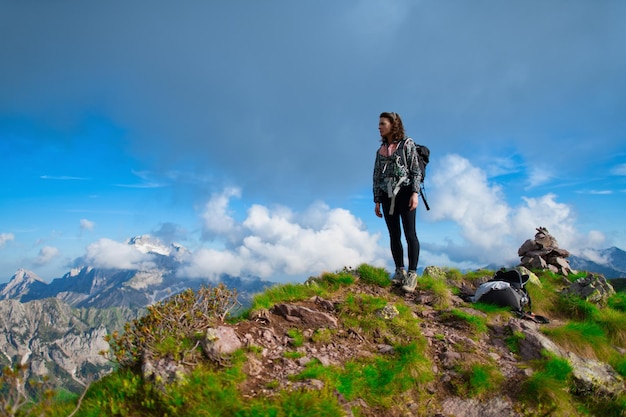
(593, 288)
(162, 371)
(595, 378)
(495, 407)
(544, 239)
(529, 246)
(305, 316)
(590, 376)
(537, 262)
(543, 252)
(435, 272)
(220, 342)
(388, 312)
(532, 277)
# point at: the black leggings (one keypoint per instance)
(401, 212)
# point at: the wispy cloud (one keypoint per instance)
(63, 178)
(144, 185)
(86, 225)
(619, 169)
(46, 255)
(539, 175)
(147, 180)
(5, 237)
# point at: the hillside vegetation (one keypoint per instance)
(348, 344)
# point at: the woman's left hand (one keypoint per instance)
(414, 201)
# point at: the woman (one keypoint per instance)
(396, 190)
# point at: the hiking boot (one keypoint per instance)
(410, 282)
(399, 277)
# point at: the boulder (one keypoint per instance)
(305, 316)
(219, 342)
(590, 377)
(593, 288)
(528, 246)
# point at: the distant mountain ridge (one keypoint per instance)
(58, 328)
(90, 287)
(609, 262)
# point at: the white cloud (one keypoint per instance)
(281, 245)
(217, 217)
(595, 256)
(619, 169)
(86, 225)
(462, 194)
(106, 253)
(539, 175)
(5, 237)
(491, 229)
(46, 254)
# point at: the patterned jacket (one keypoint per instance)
(396, 171)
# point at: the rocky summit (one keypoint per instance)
(350, 344)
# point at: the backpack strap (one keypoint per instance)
(422, 192)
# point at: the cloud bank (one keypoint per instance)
(282, 245)
(492, 229)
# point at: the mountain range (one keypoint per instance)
(609, 262)
(58, 328)
(89, 287)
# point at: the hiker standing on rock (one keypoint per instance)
(396, 190)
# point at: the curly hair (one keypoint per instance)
(397, 128)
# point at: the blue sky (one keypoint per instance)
(246, 130)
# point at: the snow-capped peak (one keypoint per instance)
(149, 244)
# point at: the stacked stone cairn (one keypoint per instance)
(543, 252)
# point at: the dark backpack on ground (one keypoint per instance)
(514, 295)
(423, 157)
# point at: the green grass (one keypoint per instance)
(477, 325)
(296, 337)
(322, 336)
(613, 322)
(380, 381)
(545, 388)
(205, 392)
(586, 338)
(374, 275)
(618, 302)
(478, 380)
(285, 292)
(441, 292)
(513, 341)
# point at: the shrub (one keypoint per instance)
(171, 324)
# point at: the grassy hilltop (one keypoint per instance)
(348, 344)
